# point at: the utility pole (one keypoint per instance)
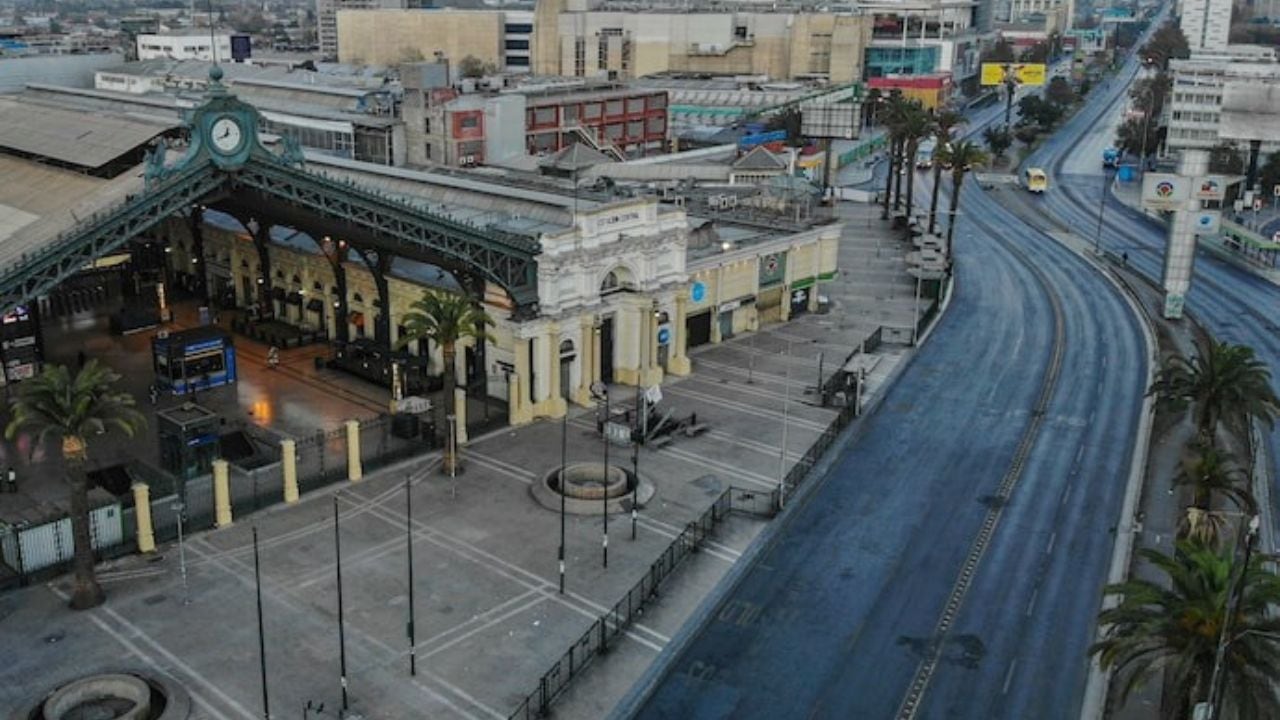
(342, 639)
(564, 454)
(262, 645)
(408, 537)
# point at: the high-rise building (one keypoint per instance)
(327, 19)
(1207, 24)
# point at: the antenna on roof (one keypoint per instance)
(213, 44)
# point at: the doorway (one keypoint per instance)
(726, 325)
(606, 351)
(566, 369)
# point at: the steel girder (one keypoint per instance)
(507, 259)
(38, 273)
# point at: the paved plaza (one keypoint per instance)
(489, 619)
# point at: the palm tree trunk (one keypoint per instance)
(451, 407)
(86, 592)
(937, 185)
(897, 183)
(888, 183)
(910, 158)
(955, 202)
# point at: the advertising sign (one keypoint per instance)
(1208, 222)
(1211, 187)
(1021, 73)
(1164, 191)
(664, 334)
(698, 292)
(1173, 303)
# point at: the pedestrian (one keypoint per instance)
(273, 357)
(154, 392)
(11, 480)
(80, 358)
(1124, 258)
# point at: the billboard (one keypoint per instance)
(1211, 187)
(830, 120)
(1164, 191)
(1020, 73)
(1208, 222)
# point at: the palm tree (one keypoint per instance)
(944, 122)
(1173, 625)
(891, 119)
(963, 157)
(1221, 381)
(54, 404)
(917, 124)
(1209, 473)
(445, 318)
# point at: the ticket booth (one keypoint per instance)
(195, 359)
(189, 439)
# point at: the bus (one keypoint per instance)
(1035, 180)
(1110, 157)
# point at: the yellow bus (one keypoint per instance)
(1036, 180)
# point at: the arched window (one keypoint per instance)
(617, 280)
(566, 348)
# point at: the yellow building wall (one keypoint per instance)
(388, 37)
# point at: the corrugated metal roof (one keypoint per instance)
(89, 140)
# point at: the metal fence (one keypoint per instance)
(322, 460)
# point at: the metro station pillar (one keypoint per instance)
(142, 516)
(1180, 254)
(221, 494)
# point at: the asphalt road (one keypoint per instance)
(1233, 304)
(1028, 390)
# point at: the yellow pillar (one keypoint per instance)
(556, 406)
(460, 415)
(586, 362)
(142, 518)
(221, 494)
(289, 466)
(678, 363)
(355, 471)
(597, 356)
(517, 413)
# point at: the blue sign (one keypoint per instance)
(750, 141)
(698, 292)
(664, 335)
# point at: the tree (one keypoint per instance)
(998, 139)
(891, 116)
(1037, 110)
(963, 157)
(874, 99)
(1026, 134)
(1167, 43)
(944, 121)
(1269, 172)
(916, 124)
(473, 67)
(1000, 52)
(1129, 136)
(1220, 382)
(1037, 53)
(1210, 473)
(1059, 92)
(445, 318)
(1224, 158)
(1172, 626)
(72, 409)
(790, 120)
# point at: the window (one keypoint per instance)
(518, 61)
(469, 122)
(426, 125)
(613, 108)
(635, 129)
(614, 131)
(519, 28)
(544, 116)
(516, 44)
(428, 149)
(570, 114)
(591, 111)
(635, 106)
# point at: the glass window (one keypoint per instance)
(635, 105)
(614, 108)
(518, 61)
(635, 128)
(570, 114)
(591, 111)
(516, 44)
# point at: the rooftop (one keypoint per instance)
(83, 139)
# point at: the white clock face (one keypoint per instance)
(226, 135)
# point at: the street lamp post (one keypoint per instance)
(180, 509)
(1234, 594)
(408, 536)
(601, 393)
(342, 637)
(262, 643)
(782, 452)
(564, 454)
(1102, 206)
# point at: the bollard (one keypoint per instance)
(289, 466)
(355, 471)
(142, 516)
(221, 494)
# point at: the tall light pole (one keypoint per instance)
(564, 454)
(408, 537)
(1102, 206)
(262, 643)
(342, 638)
(601, 393)
(180, 509)
(782, 452)
(1234, 594)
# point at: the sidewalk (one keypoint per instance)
(489, 618)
